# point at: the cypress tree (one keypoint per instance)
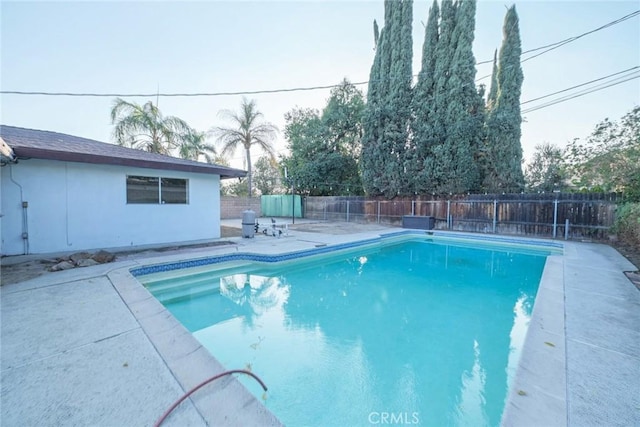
(458, 106)
(388, 103)
(493, 88)
(376, 33)
(444, 55)
(463, 126)
(503, 150)
(389, 179)
(372, 121)
(419, 164)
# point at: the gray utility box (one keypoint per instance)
(248, 223)
(418, 222)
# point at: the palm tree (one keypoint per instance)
(247, 130)
(194, 145)
(144, 127)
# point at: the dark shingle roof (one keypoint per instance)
(40, 144)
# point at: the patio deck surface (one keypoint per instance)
(91, 346)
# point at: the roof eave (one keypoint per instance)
(39, 153)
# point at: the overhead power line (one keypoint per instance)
(580, 85)
(572, 39)
(299, 89)
(585, 92)
(560, 43)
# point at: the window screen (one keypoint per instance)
(155, 190)
(174, 190)
(143, 189)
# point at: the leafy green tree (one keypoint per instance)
(342, 119)
(502, 151)
(324, 147)
(547, 170)
(145, 128)
(247, 129)
(194, 147)
(266, 175)
(609, 159)
(237, 188)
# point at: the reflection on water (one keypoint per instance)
(259, 293)
(521, 315)
(420, 332)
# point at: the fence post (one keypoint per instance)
(495, 214)
(347, 211)
(555, 218)
(413, 208)
(448, 214)
(566, 229)
(378, 211)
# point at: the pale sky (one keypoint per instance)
(221, 46)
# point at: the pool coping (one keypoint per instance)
(539, 393)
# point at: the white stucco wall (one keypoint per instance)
(78, 206)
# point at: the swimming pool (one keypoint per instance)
(348, 340)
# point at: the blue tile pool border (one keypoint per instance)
(245, 256)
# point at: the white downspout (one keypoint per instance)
(25, 217)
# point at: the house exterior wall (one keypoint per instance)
(79, 206)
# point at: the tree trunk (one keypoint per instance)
(248, 150)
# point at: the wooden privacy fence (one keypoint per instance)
(572, 216)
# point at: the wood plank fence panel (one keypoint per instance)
(589, 215)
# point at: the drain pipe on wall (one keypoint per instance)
(25, 217)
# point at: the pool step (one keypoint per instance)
(182, 293)
(185, 287)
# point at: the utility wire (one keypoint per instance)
(580, 85)
(572, 39)
(560, 43)
(550, 47)
(585, 92)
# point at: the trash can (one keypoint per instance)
(248, 223)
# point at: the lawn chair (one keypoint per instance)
(272, 230)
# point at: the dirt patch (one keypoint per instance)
(24, 271)
(337, 227)
(27, 270)
(631, 251)
(230, 232)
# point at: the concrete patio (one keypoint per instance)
(92, 347)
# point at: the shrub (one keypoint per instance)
(627, 225)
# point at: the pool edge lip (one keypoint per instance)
(538, 393)
(156, 267)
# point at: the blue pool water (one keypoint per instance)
(410, 333)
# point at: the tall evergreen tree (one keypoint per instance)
(372, 121)
(493, 88)
(444, 55)
(457, 111)
(388, 107)
(463, 121)
(419, 165)
(503, 151)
